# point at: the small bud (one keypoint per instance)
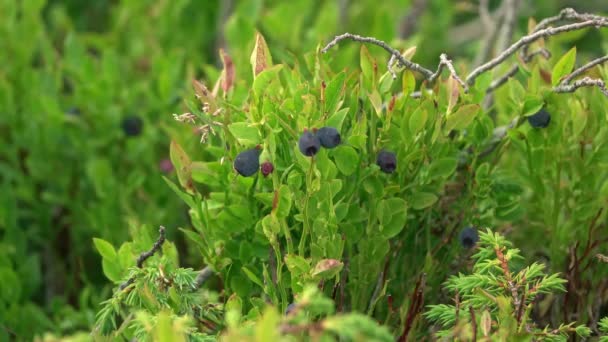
(267, 168)
(165, 165)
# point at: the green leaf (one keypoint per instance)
(112, 270)
(532, 105)
(443, 167)
(376, 101)
(346, 159)
(333, 93)
(421, 200)
(245, 133)
(265, 78)
(409, 83)
(516, 90)
(563, 67)
(296, 264)
(417, 120)
(184, 196)
(254, 278)
(101, 174)
(367, 64)
(182, 164)
(266, 329)
(462, 117)
(392, 214)
(337, 119)
(284, 203)
(194, 237)
(106, 249)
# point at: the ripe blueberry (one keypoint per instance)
(387, 161)
(267, 168)
(309, 144)
(290, 308)
(329, 137)
(468, 237)
(75, 111)
(247, 162)
(540, 120)
(132, 125)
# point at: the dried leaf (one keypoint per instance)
(228, 73)
(203, 94)
(260, 57)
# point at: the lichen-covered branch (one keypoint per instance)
(526, 40)
(584, 68)
(444, 61)
(584, 82)
(202, 276)
(542, 30)
(371, 40)
(515, 68)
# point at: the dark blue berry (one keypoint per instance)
(540, 120)
(267, 168)
(247, 162)
(309, 144)
(132, 125)
(387, 161)
(468, 237)
(290, 308)
(329, 137)
(73, 111)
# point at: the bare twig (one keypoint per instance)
(145, 255)
(541, 31)
(379, 285)
(526, 40)
(416, 304)
(444, 61)
(567, 85)
(584, 82)
(202, 276)
(508, 25)
(473, 323)
(490, 27)
(410, 21)
(484, 15)
(584, 68)
(565, 14)
(515, 68)
(371, 40)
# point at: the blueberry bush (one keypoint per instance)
(303, 187)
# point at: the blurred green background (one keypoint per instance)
(72, 71)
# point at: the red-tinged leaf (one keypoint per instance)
(327, 268)
(228, 73)
(545, 75)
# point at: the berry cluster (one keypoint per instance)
(310, 142)
(247, 162)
